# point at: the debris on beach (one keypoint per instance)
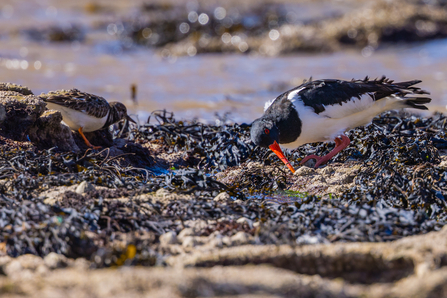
(211, 184)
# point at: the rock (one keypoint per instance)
(168, 238)
(185, 233)
(305, 171)
(81, 264)
(327, 170)
(24, 262)
(259, 281)
(245, 220)
(189, 242)
(23, 118)
(84, 187)
(164, 196)
(16, 88)
(215, 242)
(318, 179)
(162, 192)
(227, 241)
(4, 260)
(54, 261)
(48, 132)
(54, 195)
(311, 239)
(240, 238)
(223, 197)
(410, 267)
(21, 113)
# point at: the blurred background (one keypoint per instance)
(218, 59)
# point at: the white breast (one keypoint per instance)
(337, 119)
(75, 119)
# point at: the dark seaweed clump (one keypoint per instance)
(399, 191)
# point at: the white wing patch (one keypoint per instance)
(354, 105)
(294, 93)
(292, 96)
(268, 104)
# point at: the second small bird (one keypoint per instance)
(86, 112)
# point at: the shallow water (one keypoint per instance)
(198, 86)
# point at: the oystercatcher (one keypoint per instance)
(322, 110)
(85, 112)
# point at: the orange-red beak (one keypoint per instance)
(275, 148)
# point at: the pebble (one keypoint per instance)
(21, 263)
(226, 240)
(240, 238)
(189, 242)
(54, 261)
(305, 171)
(245, 220)
(328, 170)
(162, 192)
(84, 187)
(168, 238)
(222, 197)
(311, 239)
(185, 233)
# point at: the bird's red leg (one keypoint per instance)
(86, 141)
(340, 144)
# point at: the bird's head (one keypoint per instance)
(265, 133)
(121, 111)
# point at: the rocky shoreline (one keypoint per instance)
(180, 28)
(184, 209)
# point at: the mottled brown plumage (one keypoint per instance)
(86, 112)
(74, 99)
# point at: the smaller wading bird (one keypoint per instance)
(322, 110)
(86, 112)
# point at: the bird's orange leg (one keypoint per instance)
(86, 141)
(340, 144)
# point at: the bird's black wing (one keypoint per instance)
(320, 94)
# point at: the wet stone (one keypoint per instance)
(305, 171)
(54, 261)
(241, 238)
(168, 238)
(84, 187)
(222, 197)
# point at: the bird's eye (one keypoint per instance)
(267, 131)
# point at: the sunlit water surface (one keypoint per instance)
(199, 86)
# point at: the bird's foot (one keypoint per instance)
(340, 144)
(87, 141)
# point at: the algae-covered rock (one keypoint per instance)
(23, 117)
(48, 132)
(21, 113)
(15, 87)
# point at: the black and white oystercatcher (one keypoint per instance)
(86, 112)
(322, 110)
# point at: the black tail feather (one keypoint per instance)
(417, 102)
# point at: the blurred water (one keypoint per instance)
(198, 86)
